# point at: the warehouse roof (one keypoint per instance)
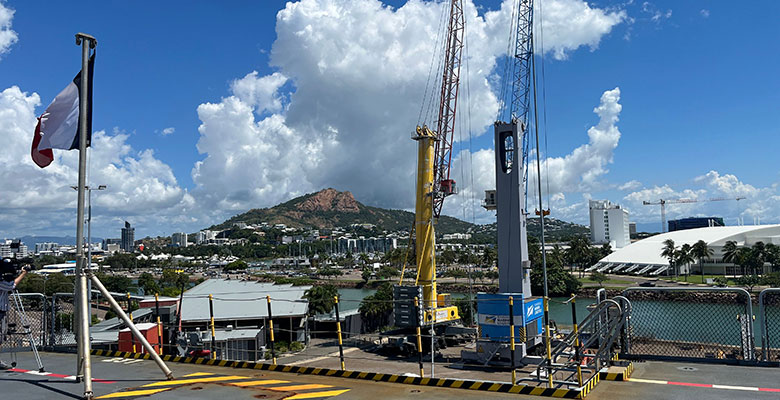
(235, 300)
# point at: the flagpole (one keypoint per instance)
(84, 360)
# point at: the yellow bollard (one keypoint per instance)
(338, 330)
(271, 329)
(512, 336)
(547, 340)
(419, 336)
(159, 323)
(213, 332)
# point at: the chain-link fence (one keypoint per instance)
(63, 320)
(769, 304)
(26, 321)
(691, 323)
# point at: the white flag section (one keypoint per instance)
(60, 121)
(58, 126)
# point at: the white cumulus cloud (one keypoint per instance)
(33, 200)
(168, 131)
(7, 35)
(349, 83)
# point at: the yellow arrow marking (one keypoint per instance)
(299, 387)
(199, 374)
(257, 383)
(132, 393)
(315, 395)
(196, 380)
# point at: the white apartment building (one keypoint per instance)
(608, 224)
(204, 236)
(179, 239)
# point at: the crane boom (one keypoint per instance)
(663, 202)
(448, 105)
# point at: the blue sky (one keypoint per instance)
(697, 83)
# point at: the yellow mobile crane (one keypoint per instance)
(434, 157)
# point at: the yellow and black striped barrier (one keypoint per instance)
(622, 375)
(371, 376)
(589, 385)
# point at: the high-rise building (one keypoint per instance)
(608, 223)
(13, 248)
(128, 238)
(179, 239)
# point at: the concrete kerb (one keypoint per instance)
(486, 386)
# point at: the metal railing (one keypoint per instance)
(34, 320)
(714, 324)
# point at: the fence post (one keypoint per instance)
(213, 333)
(159, 322)
(576, 338)
(271, 329)
(338, 330)
(512, 337)
(130, 315)
(419, 337)
(52, 339)
(547, 340)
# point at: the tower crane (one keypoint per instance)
(663, 202)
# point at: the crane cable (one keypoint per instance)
(436, 59)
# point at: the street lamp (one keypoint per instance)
(89, 236)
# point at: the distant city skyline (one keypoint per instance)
(639, 101)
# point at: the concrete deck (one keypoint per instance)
(128, 378)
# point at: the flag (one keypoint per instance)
(58, 126)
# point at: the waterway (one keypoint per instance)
(681, 321)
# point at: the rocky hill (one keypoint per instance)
(330, 208)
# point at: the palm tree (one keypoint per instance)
(701, 251)
(759, 256)
(685, 257)
(772, 255)
(730, 252)
(669, 252)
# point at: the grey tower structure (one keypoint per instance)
(128, 238)
(513, 265)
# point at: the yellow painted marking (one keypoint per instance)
(560, 392)
(475, 385)
(292, 388)
(362, 375)
(198, 374)
(537, 391)
(408, 379)
(132, 393)
(196, 380)
(494, 387)
(648, 381)
(393, 378)
(515, 389)
(457, 384)
(258, 383)
(314, 395)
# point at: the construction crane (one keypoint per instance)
(663, 203)
(434, 158)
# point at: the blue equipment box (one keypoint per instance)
(493, 316)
